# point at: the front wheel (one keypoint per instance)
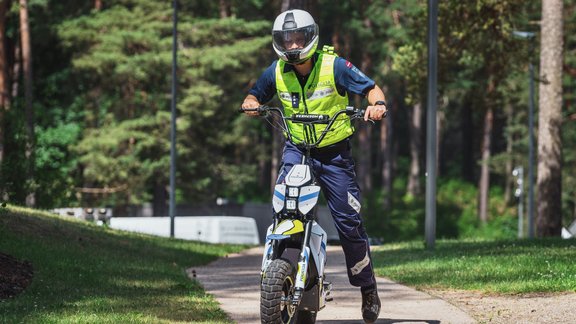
(275, 293)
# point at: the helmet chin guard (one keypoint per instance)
(294, 36)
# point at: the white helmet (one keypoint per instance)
(294, 36)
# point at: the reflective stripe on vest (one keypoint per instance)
(321, 97)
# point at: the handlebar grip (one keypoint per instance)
(241, 110)
(262, 110)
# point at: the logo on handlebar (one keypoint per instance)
(305, 117)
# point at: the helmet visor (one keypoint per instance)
(294, 39)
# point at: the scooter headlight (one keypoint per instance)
(292, 192)
(291, 204)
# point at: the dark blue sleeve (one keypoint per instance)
(265, 87)
(350, 78)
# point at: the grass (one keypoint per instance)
(506, 267)
(84, 273)
(90, 274)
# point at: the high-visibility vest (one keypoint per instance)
(319, 96)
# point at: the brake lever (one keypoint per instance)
(361, 116)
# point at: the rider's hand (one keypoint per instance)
(376, 112)
(251, 103)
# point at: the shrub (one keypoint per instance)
(456, 214)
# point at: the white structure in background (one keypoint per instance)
(211, 229)
(569, 232)
(98, 215)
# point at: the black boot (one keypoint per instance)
(370, 305)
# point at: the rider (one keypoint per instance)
(317, 82)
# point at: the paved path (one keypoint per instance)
(235, 283)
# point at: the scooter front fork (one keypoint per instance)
(302, 265)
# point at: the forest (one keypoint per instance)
(85, 107)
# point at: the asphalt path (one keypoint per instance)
(235, 283)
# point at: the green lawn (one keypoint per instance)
(89, 274)
(515, 266)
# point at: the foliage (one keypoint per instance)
(86, 273)
(102, 98)
(56, 163)
(123, 57)
(455, 214)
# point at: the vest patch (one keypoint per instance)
(295, 99)
(320, 84)
(284, 96)
(320, 94)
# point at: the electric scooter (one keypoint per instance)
(293, 284)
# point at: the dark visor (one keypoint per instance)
(301, 36)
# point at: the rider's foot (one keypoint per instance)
(370, 305)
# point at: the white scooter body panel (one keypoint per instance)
(299, 175)
(308, 198)
(279, 197)
(266, 257)
(318, 241)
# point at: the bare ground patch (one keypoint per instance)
(15, 276)
(525, 308)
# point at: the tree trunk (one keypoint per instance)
(468, 142)
(364, 158)
(4, 83)
(98, 5)
(509, 184)
(16, 68)
(364, 136)
(225, 10)
(484, 182)
(29, 112)
(307, 5)
(549, 179)
(440, 121)
(386, 152)
(414, 188)
(336, 37)
(160, 198)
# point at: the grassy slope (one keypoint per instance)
(86, 273)
(516, 266)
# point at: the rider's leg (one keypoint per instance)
(290, 156)
(338, 180)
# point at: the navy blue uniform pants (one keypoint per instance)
(334, 170)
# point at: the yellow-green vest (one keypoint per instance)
(319, 96)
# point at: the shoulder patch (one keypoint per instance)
(328, 49)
